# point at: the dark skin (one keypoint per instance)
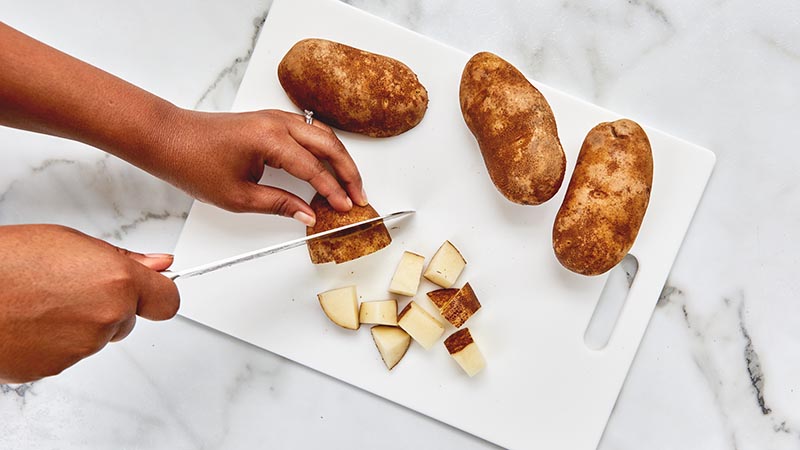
(66, 295)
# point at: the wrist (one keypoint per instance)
(152, 138)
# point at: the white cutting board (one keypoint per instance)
(543, 388)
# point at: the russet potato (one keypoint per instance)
(351, 244)
(352, 89)
(515, 129)
(606, 199)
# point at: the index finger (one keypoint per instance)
(323, 143)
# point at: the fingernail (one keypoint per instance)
(304, 218)
(159, 255)
(364, 200)
(349, 202)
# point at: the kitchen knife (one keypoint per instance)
(249, 256)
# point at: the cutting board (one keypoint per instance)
(542, 388)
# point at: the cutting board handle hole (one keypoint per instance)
(609, 305)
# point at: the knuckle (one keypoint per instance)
(317, 170)
(120, 278)
(111, 314)
(355, 177)
(281, 205)
(335, 145)
(238, 203)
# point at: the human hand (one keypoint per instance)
(216, 157)
(65, 295)
(220, 157)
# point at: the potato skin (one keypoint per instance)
(515, 129)
(606, 200)
(352, 89)
(353, 244)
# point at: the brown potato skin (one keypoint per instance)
(606, 200)
(515, 129)
(352, 89)
(458, 341)
(351, 245)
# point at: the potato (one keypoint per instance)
(350, 245)
(515, 129)
(352, 89)
(606, 199)
(465, 351)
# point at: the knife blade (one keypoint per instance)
(271, 250)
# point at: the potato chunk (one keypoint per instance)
(465, 351)
(420, 325)
(341, 306)
(445, 266)
(406, 278)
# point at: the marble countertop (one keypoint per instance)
(719, 367)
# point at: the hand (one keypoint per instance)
(216, 157)
(65, 295)
(220, 157)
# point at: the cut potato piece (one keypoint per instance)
(382, 312)
(445, 266)
(406, 278)
(456, 305)
(347, 246)
(465, 351)
(440, 297)
(423, 327)
(461, 306)
(341, 306)
(392, 343)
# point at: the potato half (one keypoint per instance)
(352, 89)
(350, 245)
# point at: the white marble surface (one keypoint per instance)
(718, 368)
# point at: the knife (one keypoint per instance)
(249, 256)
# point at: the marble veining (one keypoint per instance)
(46, 164)
(715, 341)
(185, 428)
(753, 362)
(781, 47)
(21, 390)
(144, 217)
(98, 185)
(232, 74)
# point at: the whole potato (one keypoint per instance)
(515, 129)
(352, 89)
(606, 199)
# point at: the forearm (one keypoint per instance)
(47, 91)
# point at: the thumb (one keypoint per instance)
(153, 261)
(272, 200)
